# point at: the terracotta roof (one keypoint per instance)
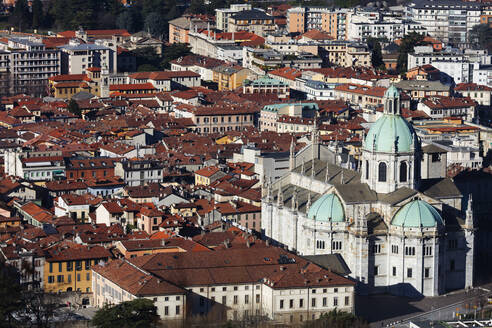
(124, 87)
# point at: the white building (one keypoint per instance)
(230, 283)
(384, 220)
(448, 20)
(77, 57)
(222, 15)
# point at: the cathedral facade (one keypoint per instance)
(396, 232)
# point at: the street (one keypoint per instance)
(393, 311)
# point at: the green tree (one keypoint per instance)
(139, 313)
(21, 17)
(337, 319)
(481, 37)
(37, 14)
(377, 55)
(407, 46)
(74, 108)
(10, 295)
(126, 20)
(172, 52)
(197, 7)
(154, 26)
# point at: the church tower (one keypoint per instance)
(391, 150)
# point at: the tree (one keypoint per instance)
(197, 7)
(481, 36)
(10, 294)
(126, 20)
(172, 52)
(74, 108)
(37, 14)
(154, 25)
(21, 17)
(377, 55)
(407, 46)
(337, 319)
(138, 313)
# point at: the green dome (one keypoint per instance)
(390, 131)
(417, 214)
(392, 92)
(327, 208)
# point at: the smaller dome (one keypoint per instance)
(392, 92)
(327, 208)
(417, 214)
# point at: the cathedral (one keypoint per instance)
(396, 232)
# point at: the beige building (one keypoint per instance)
(231, 77)
(348, 54)
(230, 283)
(254, 20)
(222, 15)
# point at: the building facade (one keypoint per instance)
(386, 223)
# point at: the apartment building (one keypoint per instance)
(270, 114)
(347, 54)
(258, 280)
(181, 26)
(303, 19)
(77, 57)
(360, 28)
(441, 107)
(447, 20)
(67, 267)
(222, 15)
(139, 172)
(261, 60)
(267, 85)
(223, 118)
(230, 77)
(26, 65)
(256, 21)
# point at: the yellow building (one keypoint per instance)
(65, 86)
(230, 77)
(207, 175)
(68, 267)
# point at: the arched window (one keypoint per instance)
(403, 172)
(367, 169)
(382, 172)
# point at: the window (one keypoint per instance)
(320, 244)
(177, 309)
(451, 265)
(235, 299)
(235, 287)
(394, 249)
(367, 169)
(257, 298)
(394, 271)
(313, 302)
(51, 267)
(51, 279)
(427, 273)
(224, 300)
(325, 303)
(88, 276)
(59, 278)
(281, 304)
(452, 244)
(376, 270)
(382, 172)
(78, 276)
(409, 250)
(166, 310)
(347, 300)
(301, 303)
(246, 299)
(427, 250)
(291, 303)
(376, 249)
(335, 301)
(87, 264)
(403, 172)
(69, 278)
(224, 289)
(60, 268)
(409, 272)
